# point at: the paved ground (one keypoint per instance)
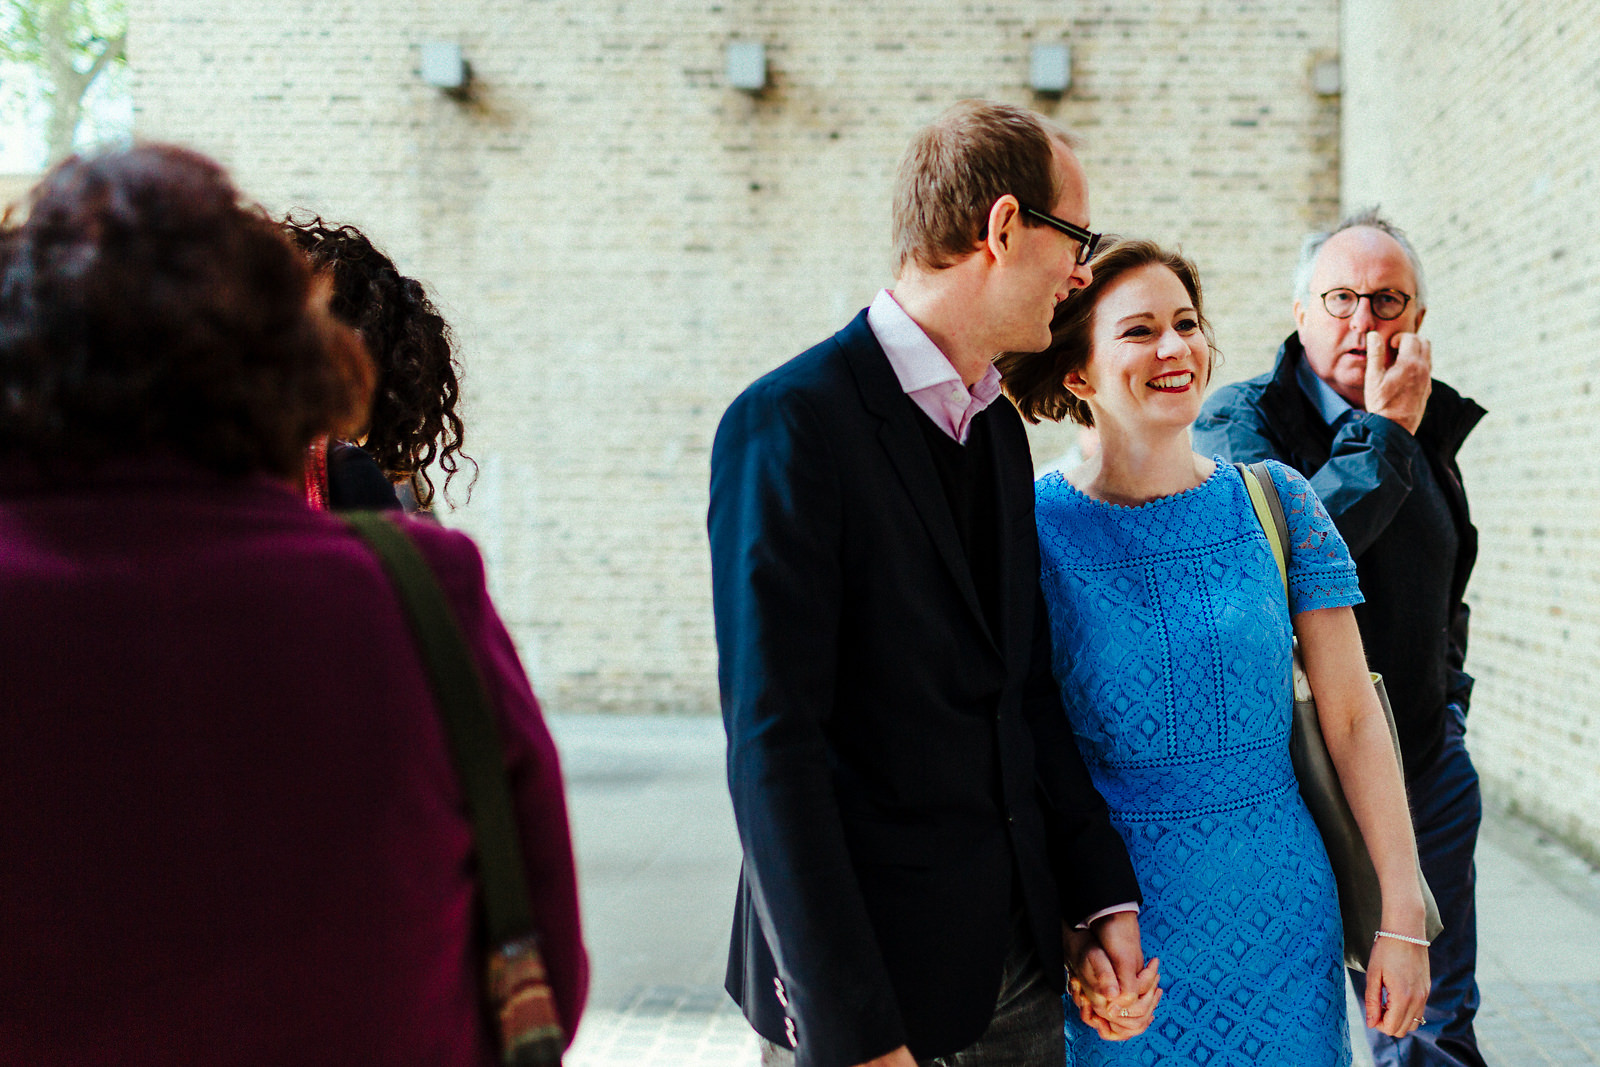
(659, 860)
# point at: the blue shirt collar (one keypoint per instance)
(1333, 408)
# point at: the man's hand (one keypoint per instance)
(1399, 390)
(900, 1057)
(1114, 989)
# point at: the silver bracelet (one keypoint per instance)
(1424, 942)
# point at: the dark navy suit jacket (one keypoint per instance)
(901, 771)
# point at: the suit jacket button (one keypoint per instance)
(783, 997)
(788, 1029)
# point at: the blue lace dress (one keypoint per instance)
(1172, 648)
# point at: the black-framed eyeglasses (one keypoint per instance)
(1086, 240)
(1386, 304)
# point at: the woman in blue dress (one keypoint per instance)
(1172, 645)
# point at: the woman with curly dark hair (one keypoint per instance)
(414, 422)
(232, 832)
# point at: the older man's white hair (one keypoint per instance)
(1369, 217)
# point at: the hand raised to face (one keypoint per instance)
(1399, 377)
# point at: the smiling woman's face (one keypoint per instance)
(1149, 359)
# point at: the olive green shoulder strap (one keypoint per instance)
(468, 716)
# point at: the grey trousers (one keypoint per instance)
(1025, 1031)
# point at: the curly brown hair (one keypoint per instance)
(414, 421)
(145, 307)
(1035, 381)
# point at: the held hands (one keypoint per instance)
(1113, 988)
(1397, 986)
(1399, 390)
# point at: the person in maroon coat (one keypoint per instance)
(229, 828)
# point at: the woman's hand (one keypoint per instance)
(1397, 986)
(1108, 1021)
(1362, 749)
(1112, 1011)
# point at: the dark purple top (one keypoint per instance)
(229, 829)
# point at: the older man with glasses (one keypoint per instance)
(1352, 405)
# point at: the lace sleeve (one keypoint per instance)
(1321, 572)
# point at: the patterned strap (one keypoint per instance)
(315, 481)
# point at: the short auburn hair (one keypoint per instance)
(1036, 381)
(144, 307)
(955, 169)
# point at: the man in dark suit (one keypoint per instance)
(919, 832)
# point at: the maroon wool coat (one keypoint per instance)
(229, 829)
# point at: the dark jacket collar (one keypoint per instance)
(1449, 418)
(875, 377)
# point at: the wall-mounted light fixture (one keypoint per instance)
(444, 68)
(1050, 70)
(1325, 78)
(747, 66)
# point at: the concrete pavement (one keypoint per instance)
(658, 859)
(1539, 949)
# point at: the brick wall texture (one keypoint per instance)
(623, 242)
(13, 187)
(1476, 123)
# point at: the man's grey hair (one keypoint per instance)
(1369, 217)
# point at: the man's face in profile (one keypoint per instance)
(1046, 268)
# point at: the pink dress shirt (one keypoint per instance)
(926, 375)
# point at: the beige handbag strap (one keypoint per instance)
(1269, 513)
(1270, 518)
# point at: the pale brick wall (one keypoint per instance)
(623, 242)
(1477, 125)
(13, 187)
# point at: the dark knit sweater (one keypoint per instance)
(967, 473)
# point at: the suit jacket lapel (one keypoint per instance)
(902, 440)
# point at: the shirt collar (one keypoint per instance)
(918, 364)
(1333, 408)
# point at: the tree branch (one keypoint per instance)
(110, 54)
